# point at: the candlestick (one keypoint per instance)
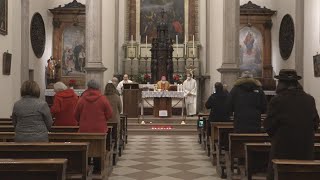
(131, 41)
(193, 45)
(177, 46)
(146, 45)
(185, 45)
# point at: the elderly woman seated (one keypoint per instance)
(65, 101)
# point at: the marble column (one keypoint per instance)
(230, 62)
(94, 65)
(25, 36)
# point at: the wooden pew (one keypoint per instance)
(296, 169)
(214, 138)
(257, 159)
(123, 130)
(76, 153)
(201, 130)
(29, 169)
(10, 128)
(115, 139)
(97, 148)
(236, 155)
(221, 148)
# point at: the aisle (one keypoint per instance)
(164, 158)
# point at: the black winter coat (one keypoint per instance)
(248, 102)
(217, 102)
(292, 119)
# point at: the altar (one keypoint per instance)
(162, 102)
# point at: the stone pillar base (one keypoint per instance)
(229, 74)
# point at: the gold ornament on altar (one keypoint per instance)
(190, 69)
(52, 70)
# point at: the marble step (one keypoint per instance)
(159, 125)
(162, 132)
(162, 120)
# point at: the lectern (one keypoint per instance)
(131, 98)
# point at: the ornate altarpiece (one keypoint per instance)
(161, 53)
(69, 42)
(257, 19)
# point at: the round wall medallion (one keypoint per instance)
(38, 35)
(286, 37)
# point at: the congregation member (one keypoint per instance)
(124, 81)
(31, 116)
(93, 110)
(247, 102)
(114, 99)
(163, 84)
(292, 120)
(190, 95)
(115, 81)
(65, 101)
(217, 102)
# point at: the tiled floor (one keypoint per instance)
(164, 158)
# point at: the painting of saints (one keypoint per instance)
(150, 15)
(73, 51)
(251, 50)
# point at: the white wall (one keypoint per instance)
(38, 64)
(10, 85)
(311, 47)
(282, 7)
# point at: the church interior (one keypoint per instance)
(166, 60)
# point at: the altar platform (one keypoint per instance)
(162, 126)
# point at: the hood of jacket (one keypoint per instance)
(68, 93)
(91, 95)
(248, 84)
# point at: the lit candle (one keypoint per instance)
(177, 45)
(193, 45)
(131, 41)
(146, 43)
(185, 45)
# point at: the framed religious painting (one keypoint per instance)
(4, 17)
(144, 16)
(255, 45)
(316, 65)
(69, 43)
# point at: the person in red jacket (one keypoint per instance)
(65, 101)
(93, 110)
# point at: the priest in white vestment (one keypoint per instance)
(120, 87)
(190, 94)
(124, 81)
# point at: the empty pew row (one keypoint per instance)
(296, 169)
(116, 151)
(17, 169)
(75, 153)
(257, 159)
(97, 147)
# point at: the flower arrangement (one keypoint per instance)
(178, 78)
(147, 77)
(72, 82)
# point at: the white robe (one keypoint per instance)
(120, 89)
(190, 86)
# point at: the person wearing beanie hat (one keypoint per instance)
(292, 120)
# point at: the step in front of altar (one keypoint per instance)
(162, 126)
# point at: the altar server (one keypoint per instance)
(190, 94)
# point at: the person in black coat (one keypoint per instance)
(217, 102)
(292, 120)
(248, 102)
